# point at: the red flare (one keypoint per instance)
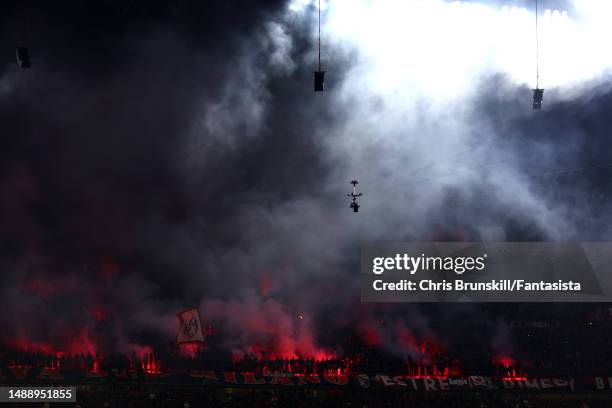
(504, 361)
(95, 366)
(518, 378)
(150, 365)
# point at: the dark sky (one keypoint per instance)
(165, 154)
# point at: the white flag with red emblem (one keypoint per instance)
(190, 329)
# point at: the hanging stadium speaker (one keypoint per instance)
(538, 97)
(23, 57)
(319, 81)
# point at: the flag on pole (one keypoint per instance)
(190, 329)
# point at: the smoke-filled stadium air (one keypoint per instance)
(170, 157)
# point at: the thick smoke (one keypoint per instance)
(162, 156)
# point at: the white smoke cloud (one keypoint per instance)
(410, 93)
(439, 48)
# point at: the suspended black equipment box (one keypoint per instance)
(538, 96)
(319, 81)
(23, 57)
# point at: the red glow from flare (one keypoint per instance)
(190, 350)
(78, 343)
(276, 352)
(95, 366)
(81, 344)
(322, 355)
(150, 365)
(421, 371)
(504, 361)
(370, 336)
(510, 371)
(23, 344)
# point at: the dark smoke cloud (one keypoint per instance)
(163, 155)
